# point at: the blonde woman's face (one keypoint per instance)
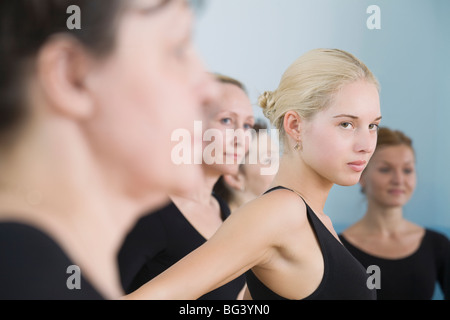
(229, 119)
(338, 142)
(390, 177)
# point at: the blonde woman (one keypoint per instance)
(162, 238)
(411, 258)
(253, 178)
(327, 110)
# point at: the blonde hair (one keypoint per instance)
(310, 83)
(229, 80)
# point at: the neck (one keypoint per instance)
(237, 202)
(381, 219)
(294, 174)
(241, 198)
(203, 193)
(64, 192)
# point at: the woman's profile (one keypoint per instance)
(86, 117)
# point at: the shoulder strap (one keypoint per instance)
(276, 188)
(281, 187)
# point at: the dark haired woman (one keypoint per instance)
(86, 117)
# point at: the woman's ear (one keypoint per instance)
(235, 181)
(292, 124)
(62, 68)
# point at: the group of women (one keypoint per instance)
(87, 179)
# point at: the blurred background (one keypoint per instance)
(256, 40)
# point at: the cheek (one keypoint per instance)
(137, 112)
(376, 184)
(411, 182)
(322, 148)
(144, 115)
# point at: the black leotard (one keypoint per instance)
(344, 278)
(413, 277)
(158, 241)
(34, 267)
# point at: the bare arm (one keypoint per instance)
(247, 238)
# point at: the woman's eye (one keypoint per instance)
(346, 125)
(384, 170)
(374, 126)
(248, 126)
(225, 121)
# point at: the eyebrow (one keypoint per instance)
(235, 114)
(353, 117)
(409, 162)
(147, 9)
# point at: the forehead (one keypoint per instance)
(232, 99)
(177, 13)
(399, 154)
(153, 4)
(358, 98)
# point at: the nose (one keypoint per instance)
(365, 141)
(242, 139)
(397, 177)
(239, 137)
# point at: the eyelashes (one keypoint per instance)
(388, 170)
(350, 125)
(229, 121)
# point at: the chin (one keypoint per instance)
(347, 182)
(396, 204)
(222, 169)
(156, 201)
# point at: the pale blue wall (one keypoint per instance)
(256, 40)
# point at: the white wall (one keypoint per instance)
(256, 40)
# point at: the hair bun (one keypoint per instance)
(266, 100)
(267, 103)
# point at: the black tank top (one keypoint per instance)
(159, 240)
(344, 278)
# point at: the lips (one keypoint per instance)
(396, 192)
(357, 166)
(234, 156)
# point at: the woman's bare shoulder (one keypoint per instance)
(279, 209)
